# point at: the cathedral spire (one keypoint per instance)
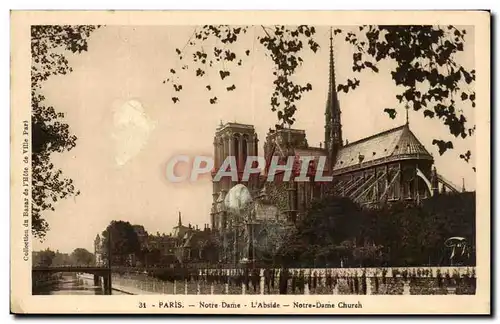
(333, 125)
(332, 90)
(407, 107)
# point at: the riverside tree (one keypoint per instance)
(50, 133)
(398, 234)
(122, 239)
(81, 256)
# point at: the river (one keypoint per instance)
(70, 285)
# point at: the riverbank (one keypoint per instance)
(115, 286)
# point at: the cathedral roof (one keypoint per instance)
(310, 151)
(393, 144)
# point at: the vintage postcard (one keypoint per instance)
(250, 162)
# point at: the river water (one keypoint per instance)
(70, 285)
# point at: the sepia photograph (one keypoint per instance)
(320, 164)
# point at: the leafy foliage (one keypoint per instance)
(336, 230)
(122, 239)
(43, 258)
(49, 132)
(62, 259)
(285, 46)
(48, 257)
(423, 59)
(323, 234)
(425, 70)
(82, 256)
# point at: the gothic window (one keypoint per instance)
(409, 183)
(382, 183)
(405, 189)
(411, 188)
(244, 144)
(395, 190)
(236, 145)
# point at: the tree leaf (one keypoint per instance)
(224, 74)
(443, 146)
(391, 112)
(200, 72)
(428, 113)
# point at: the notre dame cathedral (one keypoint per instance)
(389, 166)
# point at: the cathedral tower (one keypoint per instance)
(333, 125)
(239, 141)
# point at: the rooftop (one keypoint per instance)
(393, 143)
(222, 127)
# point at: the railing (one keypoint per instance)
(380, 161)
(69, 268)
(143, 284)
(420, 281)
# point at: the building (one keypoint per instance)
(180, 230)
(240, 141)
(196, 246)
(142, 236)
(389, 166)
(184, 244)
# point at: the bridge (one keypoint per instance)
(77, 269)
(102, 275)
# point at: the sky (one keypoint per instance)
(128, 128)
